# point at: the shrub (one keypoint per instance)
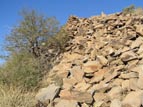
(129, 9)
(21, 70)
(14, 97)
(133, 10)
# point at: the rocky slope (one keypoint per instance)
(102, 67)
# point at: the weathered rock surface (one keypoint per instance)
(76, 95)
(48, 93)
(102, 65)
(133, 99)
(67, 103)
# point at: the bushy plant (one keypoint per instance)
(133, 10)
(15, 97)
(29, 45)
(129, 9)
(21, 69)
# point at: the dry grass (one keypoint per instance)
(14, 97)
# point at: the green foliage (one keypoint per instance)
(58, 41)
(32, 30)
(21, 70)
(133, 10)
(129, 9)
(29, 44)
(62, 38)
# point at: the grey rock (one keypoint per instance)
(48, 93)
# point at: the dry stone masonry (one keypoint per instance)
(102, 66)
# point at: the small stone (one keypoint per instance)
(100, 96)
(117, 82)
(137, 43)
(85, 105)
(76, 95)
(128, 56)
(109, 50)
(102, 86)
(140, 49)
(77, 73)
(133, 84)
(140, 83)
(115, 93)
(67, 103)
(111, 76)
(98, 76)
(133, 99)
(98, 104)
(68, 83)
(139, 29)
(82, 86)
(48, 93)
(91, 66)
(116, 103)
(129, 75)
(102, 60)
(138, 69)
(126, 85)
(93, 54)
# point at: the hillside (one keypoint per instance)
(102, 66)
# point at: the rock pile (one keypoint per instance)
(103, 66)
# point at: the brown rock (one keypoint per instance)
(109, 50)
(128, 56)
(133, 99)
(77, 73)
(76, 95)
(139, 29)
(140, 49)
(132, 64)
(126, 85)
(133, 84)
(91, 66)
(111, 76)
(102, 86)
(129, 75)
(116, 103)
(98, 76)
(93, 54)
(98, 104)
(140, 83)
(102, 60)
(117, 82)
(137, 43)
(115, 93)
(100, 96)
(48, 93)
(67, 103)
(137, 68)
(82, 86)
(68, 83)
(85, 105)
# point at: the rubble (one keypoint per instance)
(103, 66)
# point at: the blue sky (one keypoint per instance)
(61, 9)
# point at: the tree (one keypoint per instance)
(34, 46)
(133, 10)
(31, 32)
(129, 9)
